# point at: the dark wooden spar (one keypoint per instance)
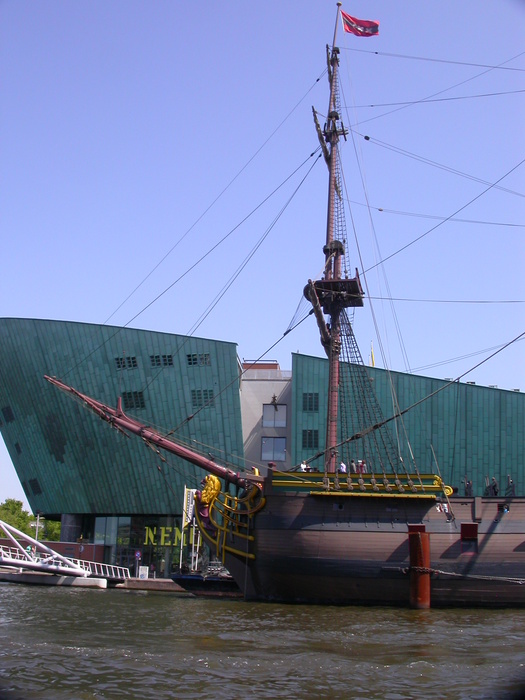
(118, 419)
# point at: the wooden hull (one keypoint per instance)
(355, 550)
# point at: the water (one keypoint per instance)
(63, 643)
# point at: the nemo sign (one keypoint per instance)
(162, 536)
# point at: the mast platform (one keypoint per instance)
(342, 292)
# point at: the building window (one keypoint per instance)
(8, 414)
(161, 360)
(274, 415)
(273, 449)
(100, 531)
(18, 448)
(126, 362)
(201, 359)
(35, 487)
(311, 402)
(202, 398)
(310, 439)
(133, 400)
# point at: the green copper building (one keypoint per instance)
(463, 432)
(107, 487)
(115, 491)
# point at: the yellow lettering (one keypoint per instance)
(178, 537)
(150, 535)
(165, 534)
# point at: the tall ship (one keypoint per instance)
(368, 526)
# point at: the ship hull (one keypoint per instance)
(352, 550)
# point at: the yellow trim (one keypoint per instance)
(380, 486)
(230, 515)
(392, 494)
(411, 485)
(298, 484)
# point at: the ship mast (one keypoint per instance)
(333, 293)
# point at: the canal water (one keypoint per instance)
(79, 644)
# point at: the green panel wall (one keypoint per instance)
(475, 431)
(68, 460)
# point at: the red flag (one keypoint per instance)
(359, 27)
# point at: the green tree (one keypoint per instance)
(50, 531)
(12, 513)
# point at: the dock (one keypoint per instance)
(36, 578)
(27, 561)
(160, 585)
(193, 589)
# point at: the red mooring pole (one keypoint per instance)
(419, 548)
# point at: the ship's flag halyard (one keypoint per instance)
(359, 27)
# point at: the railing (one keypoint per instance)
(16, 557)
(99, 570)
(11, 553)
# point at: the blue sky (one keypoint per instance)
(137, 135)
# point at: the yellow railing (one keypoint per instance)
(231, 516)
(319, 484)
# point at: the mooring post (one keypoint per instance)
(419, 549)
